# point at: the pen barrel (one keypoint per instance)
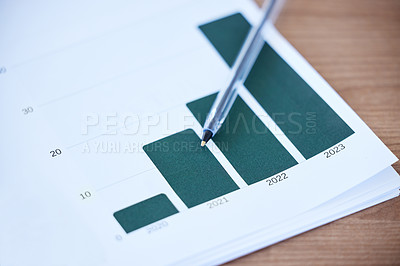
(251, 47)
(241, 68)
(220, 109)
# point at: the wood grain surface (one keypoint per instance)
(355, 46)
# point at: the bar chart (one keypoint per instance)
(251, 148)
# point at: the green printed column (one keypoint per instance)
(245, 141)
(145, 212)
(305, 118)
(192, 171)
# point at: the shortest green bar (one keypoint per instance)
(145, 212)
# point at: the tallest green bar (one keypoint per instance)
(305, 118)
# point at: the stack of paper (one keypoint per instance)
(102, 105)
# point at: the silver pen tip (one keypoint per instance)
(207, 134)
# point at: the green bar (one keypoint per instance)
(227, 35)
(191, 170)
(245, 141)
(145, 212)
(305, 118)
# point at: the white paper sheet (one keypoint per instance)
(66, 63)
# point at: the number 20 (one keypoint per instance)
(55, 153)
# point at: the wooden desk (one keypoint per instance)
(355, 46)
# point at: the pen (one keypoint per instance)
(241, 68)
